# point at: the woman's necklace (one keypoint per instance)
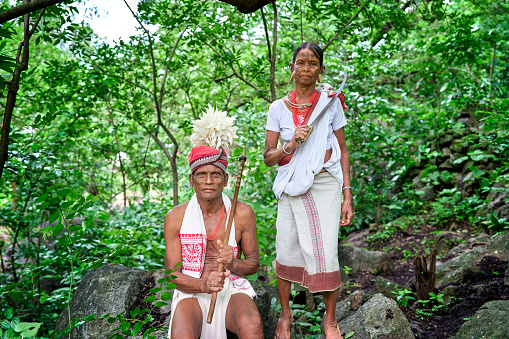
(292, 104)
(213, 235)
(300, 117)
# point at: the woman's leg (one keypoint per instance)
(285, 318)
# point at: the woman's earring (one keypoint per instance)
(320, 78)
(292, 76)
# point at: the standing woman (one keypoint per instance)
(314, 171)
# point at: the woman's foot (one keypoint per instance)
(331, 329)
(283, 326)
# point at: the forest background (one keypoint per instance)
(94, 152)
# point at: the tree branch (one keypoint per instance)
(26, 8)
(346, 26)
(246, 7)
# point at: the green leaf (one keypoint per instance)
(111, 320)
(90, 317)
(5, 324)
(170, 285)
(58, 228)
(64, 192)
(9, 313)
(134, 312)
(136, 329)
(166, 295)
(161, 281)
(459, 160)
(160, 304)
(124, 327)
(42, 197)
(53, 217)
(155, 290)
(28, 329)
(349, 335)
(75, 228)
(149, 299)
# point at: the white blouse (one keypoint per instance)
(280, 120)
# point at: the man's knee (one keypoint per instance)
(250, 325)
(187, 320)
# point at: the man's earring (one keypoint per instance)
(320, 78)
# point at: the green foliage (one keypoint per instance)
(403, 296)
(88, 178)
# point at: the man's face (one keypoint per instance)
(208, 182)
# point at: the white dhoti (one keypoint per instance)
(307, 235)
(216, 329)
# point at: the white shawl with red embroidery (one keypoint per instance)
(193, 238)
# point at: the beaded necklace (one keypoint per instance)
(300, 117)
(213, 235)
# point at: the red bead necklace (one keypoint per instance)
(213, 235)
(302, 115)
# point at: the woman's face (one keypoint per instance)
(306, 67)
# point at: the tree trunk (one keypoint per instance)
(424, 277)
(26, 8)
(13, 92)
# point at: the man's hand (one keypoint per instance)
(215, 281)
(224, 254)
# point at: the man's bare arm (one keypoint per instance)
(245, 222)
(173, 255)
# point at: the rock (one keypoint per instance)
(266, 293)
(447, 151)
(467, 165)
(360, 259)
(426, 193)
(379, 318)
(489, 322)
(446, 164)
(445, 141)
(357, 238)
(109, 289)
(496, 203)
(114, 289)
(347, 307)
(457, 146)
(499, 246)
(444, 242)
(506, 279)
(481, 239)
(454, 269)
(385, 287)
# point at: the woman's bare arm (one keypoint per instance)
(347, 207)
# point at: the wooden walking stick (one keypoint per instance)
(242, 160)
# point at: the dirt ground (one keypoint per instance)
(476, 289)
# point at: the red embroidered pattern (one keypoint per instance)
(193, 252)
(316, 235)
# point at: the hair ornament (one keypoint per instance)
(215, 129)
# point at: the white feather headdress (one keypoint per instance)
(215, 129)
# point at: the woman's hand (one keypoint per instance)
(301, 133)
(346, 211)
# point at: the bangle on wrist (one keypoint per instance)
(284, 150)
(344, 188)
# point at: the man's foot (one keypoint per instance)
(331, 329)
(283, 326)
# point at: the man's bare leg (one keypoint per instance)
(330, 325)
(187, 320)
(286, 316)
(242, 317)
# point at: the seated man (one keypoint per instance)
(192, 232)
